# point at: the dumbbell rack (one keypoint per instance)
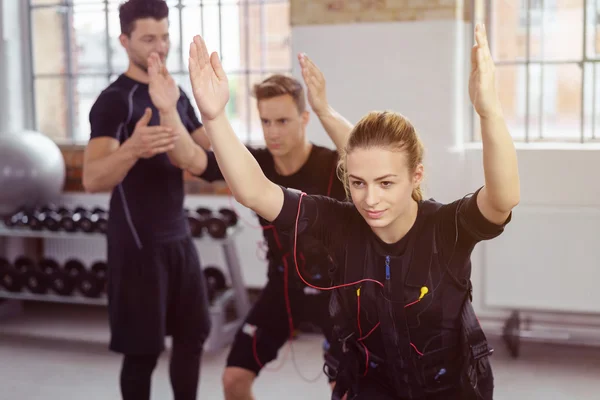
(222, 332)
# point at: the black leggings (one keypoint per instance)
(184, 370)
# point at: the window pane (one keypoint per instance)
(87, 90)
(254, 37)
(90, 52)
(174, 63)
(255, 127)
(593, 99)
(593, 31)
(562, 102)
(212, 23)
(589, 101)
(46, 2)
(278, 36)
(511, 91)
(52, 116)
(557, 31)
(204, 21)
(509, 31)
(48, 40)
(118, 55)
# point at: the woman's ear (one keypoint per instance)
(418, 175)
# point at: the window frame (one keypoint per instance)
(584, 136)
(176, 8)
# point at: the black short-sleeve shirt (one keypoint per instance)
(147, 206)
(316, 176)
(353, 245)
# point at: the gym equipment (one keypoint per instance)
(82, 219)
(89, 285)
(61, 283)
(58, 280)
(216, 225)
(74, 268)
(11, 279)
(66, 220)
(215, 281)
(17, 220)
(24, 264)
(195, 223)
(45, 219)
(229, 216)
(48, 266)
(82, 284)
(99, 219)
(100, 271)
(36, 281)
(32, 170)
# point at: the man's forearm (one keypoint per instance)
(183, 151)
(337, 127)
(186, 154)
(105, 173)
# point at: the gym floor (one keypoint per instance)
(53, 352)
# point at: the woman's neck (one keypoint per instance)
(397, 229)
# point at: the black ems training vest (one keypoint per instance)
(453, 358)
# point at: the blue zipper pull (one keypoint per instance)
(387, 268)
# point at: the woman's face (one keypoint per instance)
(381, 184)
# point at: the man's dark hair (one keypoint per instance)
(132, 10)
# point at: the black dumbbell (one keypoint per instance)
(100, 271)
(89, 285)
(10, 278)
(215, 281)
(66, 222)
(82, 219)
(214, 225)
(46, 218)
(36, 281)
(195, 223)
(99, 218)
(18, 219)
(229, 215)
(58, 280)
(73, 268)
(24, 264)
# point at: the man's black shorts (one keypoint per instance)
(154, 292)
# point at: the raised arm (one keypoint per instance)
(241, 171)
(164, 92)
(501, 192)
(336, 126)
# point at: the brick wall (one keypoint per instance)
(321, 12)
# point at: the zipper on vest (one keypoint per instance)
(388, 281)
(387, 268)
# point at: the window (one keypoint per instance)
(76, 53)
(547, 54)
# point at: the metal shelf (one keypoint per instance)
(24, 232)
(28, 233)
(74, 299)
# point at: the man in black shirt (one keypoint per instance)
(139, 141)
(291, 160)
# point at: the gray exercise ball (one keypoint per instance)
(32, 171)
